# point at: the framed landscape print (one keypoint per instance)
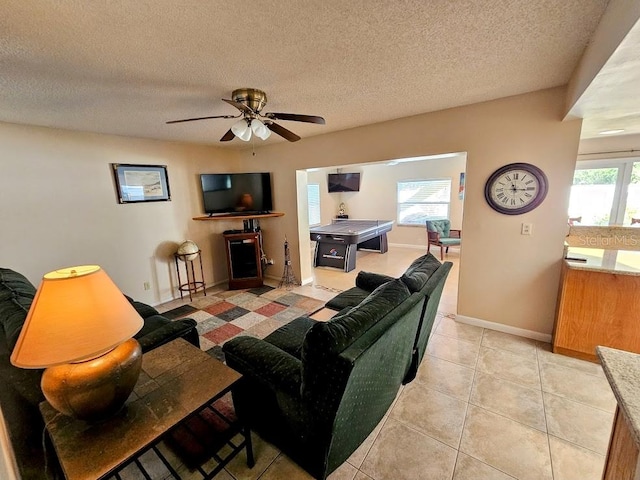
(141, 183)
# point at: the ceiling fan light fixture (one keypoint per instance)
(241, 130)
(250, 102)
(260, 129)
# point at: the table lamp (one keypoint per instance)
(80, 328)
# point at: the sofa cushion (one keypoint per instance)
(290, 337)
(329, 338)
(16, 295)
(416, 276)
(366, 282)
(370, 281)
(348, 298)
(143, 309)
(158, 330)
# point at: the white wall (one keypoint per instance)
(58, 208)
(505, 277)
(377, 198)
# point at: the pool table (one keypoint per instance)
(337, 243)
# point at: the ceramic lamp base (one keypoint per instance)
(96, 389)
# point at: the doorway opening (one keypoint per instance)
(407, 191)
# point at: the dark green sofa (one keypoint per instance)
(426, 275)
(20, 391)
(317, 389)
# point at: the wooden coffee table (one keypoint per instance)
(178, 381)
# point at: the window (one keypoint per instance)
(606, 192)
(422, 200)
(313, 198)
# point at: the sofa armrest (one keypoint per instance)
(455, 233)
(433, 236)
(370, 281)
(166, 332)
(265, 363)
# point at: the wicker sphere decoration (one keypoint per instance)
(188, 251)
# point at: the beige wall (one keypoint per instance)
(58, 204)
(58, 208)
(377, 196)
(505, 277)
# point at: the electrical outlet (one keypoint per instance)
(147, 286)
(527, 229)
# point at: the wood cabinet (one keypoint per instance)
(622, 457)
(243, 248)
(244, 259)
(596, 307)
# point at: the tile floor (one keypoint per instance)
(485, 406)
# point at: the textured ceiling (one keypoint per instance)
(127, 67)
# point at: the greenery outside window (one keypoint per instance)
(313, 196)
(422, 200)
(606, 192)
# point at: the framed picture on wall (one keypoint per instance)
(141, 183)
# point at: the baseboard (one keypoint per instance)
(406, 245)
(177, 297)
(277, 280)
(273, 277)
(501, 327)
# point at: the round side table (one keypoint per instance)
(192, 285)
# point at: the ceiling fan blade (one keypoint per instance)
(227, 136)
(240, 106)
(295, 117)
(202, 118)
(283, 132)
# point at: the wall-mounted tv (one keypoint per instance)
(236, 193)
(343, 182)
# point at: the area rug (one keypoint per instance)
(221, 316)
(256, 312)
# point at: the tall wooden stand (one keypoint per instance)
(243, 259)
(192, 285)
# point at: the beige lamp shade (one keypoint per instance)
(78, 313)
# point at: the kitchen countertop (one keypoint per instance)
(625, 262)
(622, 370)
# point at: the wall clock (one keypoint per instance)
(516, 188)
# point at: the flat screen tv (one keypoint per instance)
(344, 182)
(240, 193)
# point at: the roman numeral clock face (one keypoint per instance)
(516, 188)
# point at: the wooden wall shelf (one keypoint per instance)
(231, 216)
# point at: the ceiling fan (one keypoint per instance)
(250, 102)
